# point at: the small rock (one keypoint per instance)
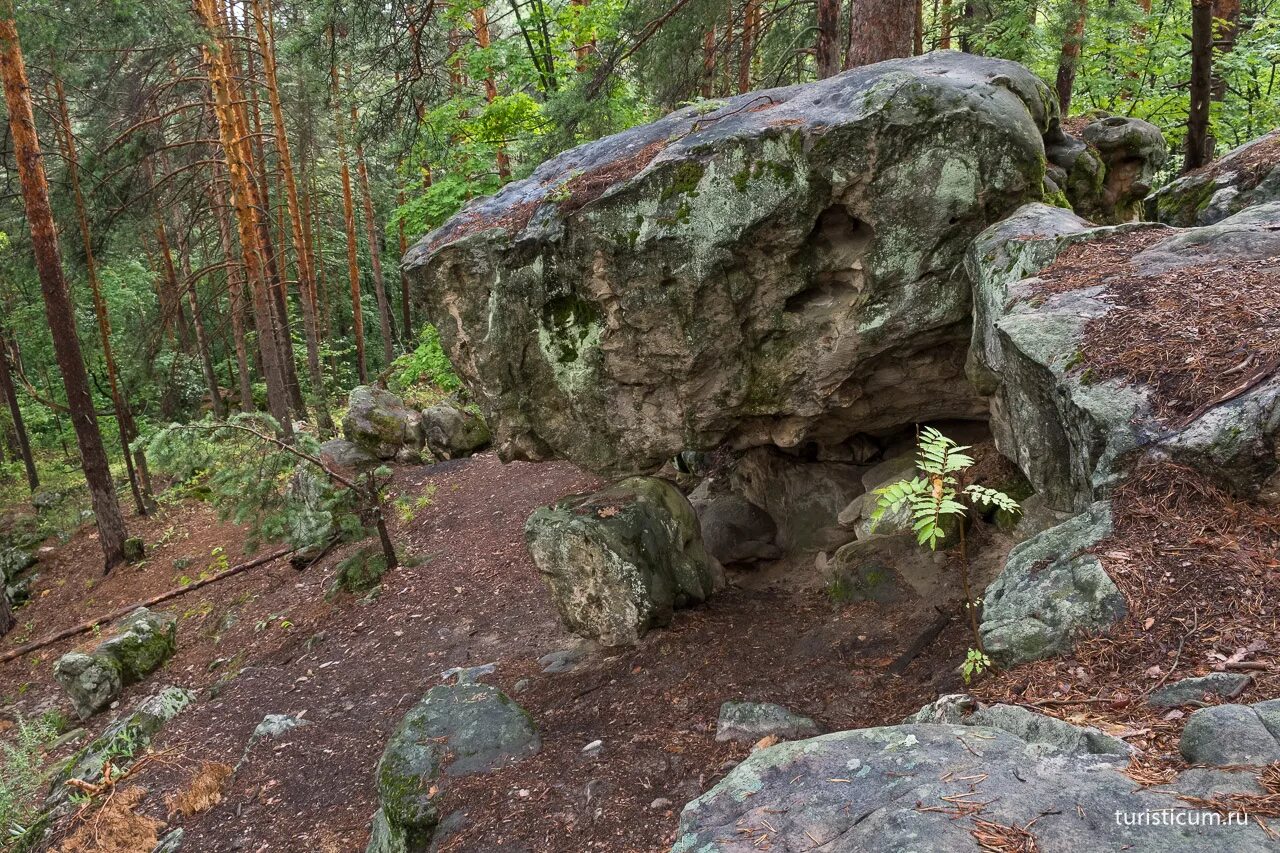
(468, 674)
(660, 804)
(520, 686)
(751, 721)
(1192, 690)
(593, 749)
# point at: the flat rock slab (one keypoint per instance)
(1226, 735)
(1191, 690)
(751, 721)
(881, 789)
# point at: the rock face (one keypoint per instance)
(869, 790)
(804, 498)
(144, 641)
(1049, 734)
(1050, 591)
(1247, 176)
(380, 424)
(1108, 171)
(452, 431)
(756, 272)
(734, 530)
(347, 456)
(1069, 434)
(456, 730)
(751, 721)
(619, 561)
(1225, 735)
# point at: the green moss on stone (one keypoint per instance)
(684, 180)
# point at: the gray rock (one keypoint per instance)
(1223, 188)
(620, 561)
(779, 269)
(804, 498)
(171, 842)
(1049, 734)
(1224, 735)
(736, 531)
(465, 674)
(347, 456)
(1189, 691)
(1050, 591)
(122, 742)
(870, 791)
(1108, 171)
(276, 725)
(386, 837)
(873, 570)
(455, 730)
(453, 431)
(751, 721)
(565, 660)
(13, 562)
(142, 643)
(379, 423)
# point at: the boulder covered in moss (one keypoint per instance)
(1244, 177)
(1107, 169)
(379, 423)
(778, 268)
(455, 730)
(139, 645)
(620, 561)
(453, 431)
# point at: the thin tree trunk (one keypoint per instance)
(406, 318)
(828, 48)
(124, 417)
(1227, 14)
(10, 395)
(747, 46)
(244, 196)
(709, 62)
(1069, 57)
(202, 339)
(1198, 153)
(945, 14)
(481, 18)
(57, 300)
(349, 221)
(235, 286)
(375, 253)
(265, 27)
(880, 30)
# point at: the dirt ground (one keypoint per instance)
(275, 645)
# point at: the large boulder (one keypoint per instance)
(734, 530)
(782, 267)
(380, 424)
(1071, 432)
(452, 431)
(804, 498)
(619, 562)
(882, 790)
(1051, 591)
(1247, 176)
(455, 730)
(1228, 735)
(139, 646)
(1107, 172)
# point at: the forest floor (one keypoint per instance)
(353, 667)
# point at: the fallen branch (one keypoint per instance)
(85, 627)
(922, 642)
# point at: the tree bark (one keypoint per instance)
(349, 221)
(1069, 57)
(10, 394)
(1198, 148)
(828, 46)
(139, 481)
(57, 300)
(481, 19)
(880, 30)
(234, 137)
(235, 287)
(375, 253)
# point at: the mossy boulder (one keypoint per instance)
(379, 423)
(140, 645)
(455, 730)
(782, 268)
(1244, 177)
(620, 561)
(1108, 170)
(453, 431)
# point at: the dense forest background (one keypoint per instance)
(234, 181)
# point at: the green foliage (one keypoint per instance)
(23, 774)
(426, 364)
(938, 492)
(360, 573)
(975, 663)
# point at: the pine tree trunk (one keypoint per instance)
(10, 395)
(1069, 57)
(481, 18)
(234, 137)
(406, 316)
(709, 62)
(265, 28)
(828, 46)
(235, 287)
(57, 300)
(139, 484)
(746, 48)
(375, 254)
(349, 221)
(880, 30)
(1198, 149)
(202, 339)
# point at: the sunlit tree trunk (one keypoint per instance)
(234, 136)
(1227, 15)
(57, 300)
(481, 19)
(1069, 57)
(235, 290)
(265, 28)
(375, 252)
(1198, 149)
(945, 14)
(139, 483)
(828, 45)
(10, 394)
(880, 30)
(709, 62)
(349, 222)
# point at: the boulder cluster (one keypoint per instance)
(140, 644)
